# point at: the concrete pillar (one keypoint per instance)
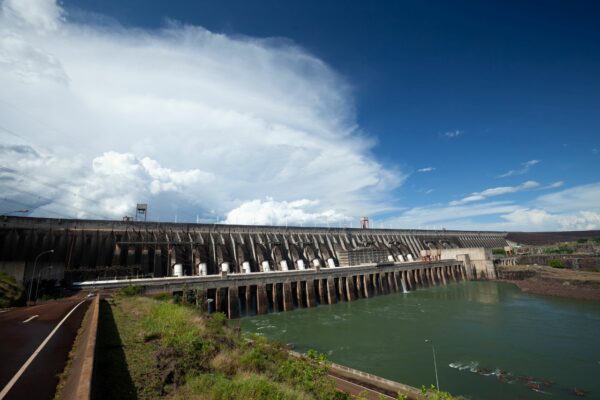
(311, 300)
(396, 279)
(433, 277)
(350, 295)
(219, 300)
(288, 305)
(262, 304)
(331, 299)
(341, 288)
(360, 283)
(422, 277)
(381, 283)
(442, 275)
(299, 294)
(463, 272)
(275, 296)
(384, 282)
(404, 283)
(392, 283)
(323, 292)
(233, 306)
(367, 285)
(375, 284)
(249, 305)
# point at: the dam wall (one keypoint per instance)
(99, 250)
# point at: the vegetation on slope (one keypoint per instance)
(11, 293)
(149, 348)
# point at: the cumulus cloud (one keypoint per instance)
(525, 167)
(497, 191)
(271, 212)
(178, 117)
(426, 169)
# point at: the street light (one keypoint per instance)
(33, 273)
(437, 381)
(37, 285)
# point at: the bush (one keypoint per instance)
(162, 297)
(582, 241)
(498, 252)
(11, 293)
(556, 264)
(130, 291)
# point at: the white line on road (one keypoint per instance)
(15, 378)
(30, 318)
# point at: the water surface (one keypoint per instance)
(491, 339)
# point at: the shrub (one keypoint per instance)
(582, 241)
(11, 293)
(162, 297)
(556, 264)
(130, 291)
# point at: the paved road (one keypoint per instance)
(19, 340)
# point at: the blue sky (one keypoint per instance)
(464, 115)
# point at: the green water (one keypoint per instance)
(478, 328)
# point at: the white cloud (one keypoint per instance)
(271, 212)
(525, 167)
(578, 198)
(576, 208)
(181, 116)
(426, 169)
(452, 134)
(554, 185)
(497, 191)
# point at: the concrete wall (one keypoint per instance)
(478, 261)
(88, 250)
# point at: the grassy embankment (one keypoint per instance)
(11, 293)
(149, 348)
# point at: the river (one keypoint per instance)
(491, 340)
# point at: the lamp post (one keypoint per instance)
(437, 381)
(37, 284)
(33, 273)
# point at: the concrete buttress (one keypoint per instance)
(262, 303)
(287, 297)
(233, 306)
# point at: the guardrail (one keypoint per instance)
(244, 279)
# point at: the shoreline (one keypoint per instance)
(557, 283)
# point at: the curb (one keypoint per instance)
(78, 385)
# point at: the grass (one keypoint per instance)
(150, 348)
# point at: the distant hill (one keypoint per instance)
(541, 238)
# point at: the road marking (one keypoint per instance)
(360, 386)
(15, 378)
(30, 318)
(5, 310)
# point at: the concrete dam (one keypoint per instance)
(238, 269)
